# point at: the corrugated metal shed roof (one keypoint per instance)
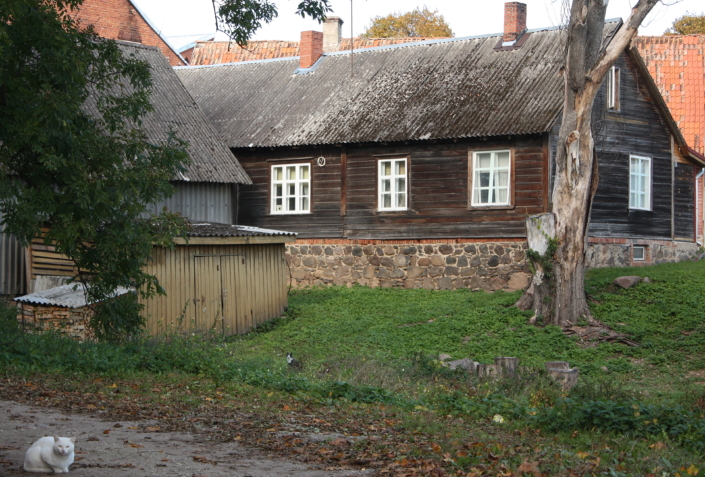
(175, 109)
(453, 88)
(201, 229)
(69, 296)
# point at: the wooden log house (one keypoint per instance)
(416, 165)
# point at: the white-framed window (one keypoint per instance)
(392, 184)
(291, 189)
(639, 253)
(613, 89)
(491, 171)
(639, 182)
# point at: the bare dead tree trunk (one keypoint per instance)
(559, 296)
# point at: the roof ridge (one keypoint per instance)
(137, 45)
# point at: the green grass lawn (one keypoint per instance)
(637, 410)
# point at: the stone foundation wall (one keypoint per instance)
(72, 322)
(618, 252)
(432, 266)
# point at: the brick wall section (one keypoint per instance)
(311, 48)
(514, 20)
(120, 20)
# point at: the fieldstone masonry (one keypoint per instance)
(434, 266)
(486, 266)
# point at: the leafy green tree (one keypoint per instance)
(416, 23)
(240, 19)
(688, 24)
(74, 159)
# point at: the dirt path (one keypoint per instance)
(109, 448)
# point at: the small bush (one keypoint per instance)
(118, 320)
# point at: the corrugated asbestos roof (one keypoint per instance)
(175, 109)
(217, 52)
(69, 296)
(201, 229)
(438, 89)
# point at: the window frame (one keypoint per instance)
(613, 89)
(643, 253)
(472, 168)
(297, 195)
(394, 192)
(649, 191)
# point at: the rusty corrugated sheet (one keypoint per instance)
(175, 109)
(430, 90)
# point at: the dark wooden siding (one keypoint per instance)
(684, 201)
(438, 185)
(636, 129)
(323, 221)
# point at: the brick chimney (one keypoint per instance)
(514, 21)
(332, 32)
(310, 48)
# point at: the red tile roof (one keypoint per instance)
(218, 52)
(677, 64)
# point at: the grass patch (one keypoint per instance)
(375, 347)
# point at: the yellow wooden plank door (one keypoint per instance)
(235, 303)
(208, 291)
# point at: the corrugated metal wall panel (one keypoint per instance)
(249, 279)
(12, 264)
(201, 201)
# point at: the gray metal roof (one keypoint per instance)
(174, 108)
(69, 296)
(429, 90)
(203, 229)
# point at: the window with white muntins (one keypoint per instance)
(490, 178)
(639, 182)
(613, 89)
(392, 188)
(291, 189)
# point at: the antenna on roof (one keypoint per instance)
(352, 41)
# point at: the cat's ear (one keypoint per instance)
(56, 438)
(73, 440)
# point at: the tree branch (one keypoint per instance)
(621, 40)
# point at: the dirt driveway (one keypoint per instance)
(109, 448)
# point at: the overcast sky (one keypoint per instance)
(465, 17)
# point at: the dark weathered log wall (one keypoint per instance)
(684, 201)
(438, 186)
(636, 129)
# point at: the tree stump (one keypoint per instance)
(489, 370)
(508, 365)
(567, 378)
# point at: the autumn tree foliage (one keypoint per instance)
(420, 22)
(688, 24)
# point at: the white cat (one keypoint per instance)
(50, 454)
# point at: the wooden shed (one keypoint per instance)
(226, 279)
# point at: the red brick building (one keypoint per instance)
(123, 20)
(677, 64)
